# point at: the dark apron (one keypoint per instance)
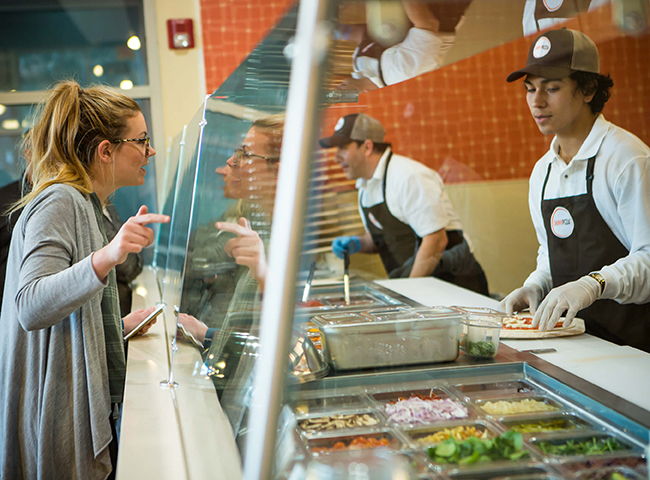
(591, 246)
(398, 245)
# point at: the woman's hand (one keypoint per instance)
(132, 237)
(247, 248)
(134, 318)
(193, 326)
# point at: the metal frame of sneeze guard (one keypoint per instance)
(176, 300)
(307, 68)
(161, 271)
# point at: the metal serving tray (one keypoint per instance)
(417, 434)
(495, 388)
(394, 395)
(635, 461)
(613, 473)
(362, 297)
(411, 422)
(338, 423)
(330, 404)
(549, 402)
(323, 445)
(627, 447)
(548, 424)
(354, 340)
(499, 471)
(530, 476)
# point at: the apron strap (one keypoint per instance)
(548, 173)
(590, 174)
(383, 186)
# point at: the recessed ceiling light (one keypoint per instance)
(11, 124)
(134, 43)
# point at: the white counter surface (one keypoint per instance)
(170, 433)
(623, 371)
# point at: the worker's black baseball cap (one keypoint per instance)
(356, 126)
(558, 53)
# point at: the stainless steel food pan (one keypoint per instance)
(356, 340)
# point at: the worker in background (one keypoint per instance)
(408, 217)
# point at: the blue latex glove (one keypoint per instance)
(340, 245)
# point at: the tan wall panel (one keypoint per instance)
(496, 218)
(182, 74)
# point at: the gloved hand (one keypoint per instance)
(342, 244)
(570, 297)
(524, 297)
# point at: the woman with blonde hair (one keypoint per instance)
(62, 362)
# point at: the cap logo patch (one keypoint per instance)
(542, 47)
(553, 5)
(339, 124)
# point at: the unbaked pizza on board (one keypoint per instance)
(521, 326)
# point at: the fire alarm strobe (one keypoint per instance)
(180, 33)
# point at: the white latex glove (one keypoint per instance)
(527, 296)
(570, 297)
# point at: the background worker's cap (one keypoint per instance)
(558, 53)
(356, 126)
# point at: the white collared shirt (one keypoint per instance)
(621, 190)
(415, 195)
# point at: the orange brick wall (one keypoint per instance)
(232, 29)
(464, 119)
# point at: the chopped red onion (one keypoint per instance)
(416, 410)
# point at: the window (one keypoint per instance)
(45, 41)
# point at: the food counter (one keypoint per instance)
(168, 421)
(568, 426)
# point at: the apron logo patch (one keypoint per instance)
(553, 5)
(562, 223)
(375, 222)
(542, 47)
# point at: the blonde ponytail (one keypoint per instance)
(69, 126)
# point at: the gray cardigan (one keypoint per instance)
(54, 396)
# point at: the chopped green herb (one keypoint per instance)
(481, 349)
(593, 446)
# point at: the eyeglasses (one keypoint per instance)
(145, 140)
(240, 154)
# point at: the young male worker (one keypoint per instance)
(408, 217)
(589, 199)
